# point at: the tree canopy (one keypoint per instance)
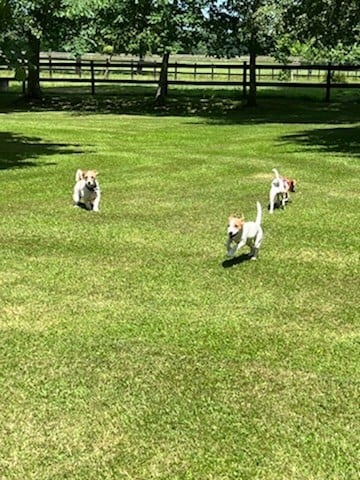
(224, 28)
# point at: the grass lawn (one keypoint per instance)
(131, 348)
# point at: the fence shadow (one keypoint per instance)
(19, 151)
(215, 106)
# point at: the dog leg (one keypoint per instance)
(282, 201)
(228, 244)
(231, 251)
(271, 202)
(76, 198)
(254, 253)
(256, 246)
(96, 204)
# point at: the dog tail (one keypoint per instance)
(259, 213)
(78, 175)
(276, 173)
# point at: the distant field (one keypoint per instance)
(130, 346)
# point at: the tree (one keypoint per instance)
(244, 26)
(143, 27)
(35, 24)
(28, 23)
(326, 30)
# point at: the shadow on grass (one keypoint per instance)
(224, 106)
(231, 262)
(216, 107)
(339, 140)
(18, 151)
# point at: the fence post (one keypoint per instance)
(244, 78)
(50, 65)
(78, 65)
(107, 68)
(328, 83)
(24, 66)
(92, 77)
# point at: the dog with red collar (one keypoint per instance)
(87, 190)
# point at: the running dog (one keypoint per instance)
(86, 190)
(245, 233)
(279, 190)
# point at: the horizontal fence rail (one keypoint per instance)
(95, 73)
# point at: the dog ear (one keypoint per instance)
(79, 174)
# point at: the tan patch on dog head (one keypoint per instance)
(236, 222)
(90, 176)
(235, 225)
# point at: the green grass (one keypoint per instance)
(131, 348)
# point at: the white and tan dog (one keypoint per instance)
(87, 190)
(245, 233)
(279, 191)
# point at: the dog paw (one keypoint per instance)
(253, 258)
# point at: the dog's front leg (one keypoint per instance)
(228, 243)
(76, 197)
(96, 204)
(231, 251)
(237, 247)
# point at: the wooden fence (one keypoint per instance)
(95, 73)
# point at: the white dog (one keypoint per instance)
(86, 190)
(279, 191)
(245, 233)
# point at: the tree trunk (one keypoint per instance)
(251, 102)
(163, 85)
(33, 83)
